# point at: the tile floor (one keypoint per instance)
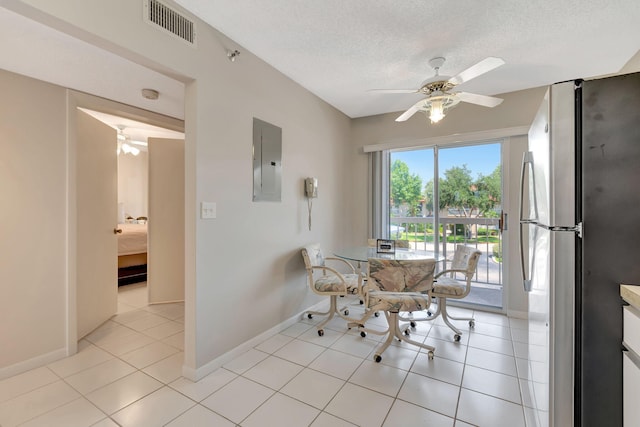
(128, 373)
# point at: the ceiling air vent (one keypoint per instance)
(158, 13)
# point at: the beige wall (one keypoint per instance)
(244, 272)
(517, 111)
(33, 195)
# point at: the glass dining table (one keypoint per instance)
(362, 254)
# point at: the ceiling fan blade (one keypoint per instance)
(411, 111)
(393, 90)
(476, 70)
(474, 98)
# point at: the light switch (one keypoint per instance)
(207, 210)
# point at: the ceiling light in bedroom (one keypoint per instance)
(124, 143)
(127, 149)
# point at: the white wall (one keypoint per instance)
(517, 110)
(33, 195)
(244, 272)
(133, 183)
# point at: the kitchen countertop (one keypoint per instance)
(631, 294)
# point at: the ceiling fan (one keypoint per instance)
(440, 90)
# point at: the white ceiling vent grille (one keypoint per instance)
(161, 15)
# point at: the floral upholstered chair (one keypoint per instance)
(453, 283)
(394, 286)
(449, 286)
(325, 280)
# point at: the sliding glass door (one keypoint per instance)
(443, 196)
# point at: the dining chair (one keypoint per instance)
(327, 281)
(452, 283)
(394, 286)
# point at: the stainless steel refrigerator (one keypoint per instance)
(580, 239)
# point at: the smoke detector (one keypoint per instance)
(150, 94)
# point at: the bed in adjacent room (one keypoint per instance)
(132, 253)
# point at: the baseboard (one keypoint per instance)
(36, 362)
(218, 362)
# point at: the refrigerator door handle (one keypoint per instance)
(527, 162)
(525, 277)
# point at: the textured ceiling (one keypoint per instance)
(339, 49)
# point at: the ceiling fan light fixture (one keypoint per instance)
(436, 108)
(440, 93)
(436, 112)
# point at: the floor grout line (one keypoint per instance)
(434, 331)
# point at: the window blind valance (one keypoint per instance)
(448, 139)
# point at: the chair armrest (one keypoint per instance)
(449, 271)
(351, 267)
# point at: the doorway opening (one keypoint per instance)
(100, 123)
(132, 147)
(444, 196)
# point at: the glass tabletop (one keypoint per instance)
(363, 253)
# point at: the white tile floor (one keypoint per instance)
(128, 373)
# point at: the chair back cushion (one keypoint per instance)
(466, 258)
(313, 256)
(402, 275)
(402, 244)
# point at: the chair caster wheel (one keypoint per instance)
(472, 323)
(363, 334)
(361, 302)
(457, 337)
(377, 358)
(413, 324)
(346, 312)
(376, 314)
(406, 332)
(431, 355)
(309, 316)
(429, 313)
(320, 332)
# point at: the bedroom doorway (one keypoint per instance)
(111, 112)
(150, 204)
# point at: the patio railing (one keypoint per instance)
(481, 233)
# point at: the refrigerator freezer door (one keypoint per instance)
(552, 196)
(535, 173)
(562, 160)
